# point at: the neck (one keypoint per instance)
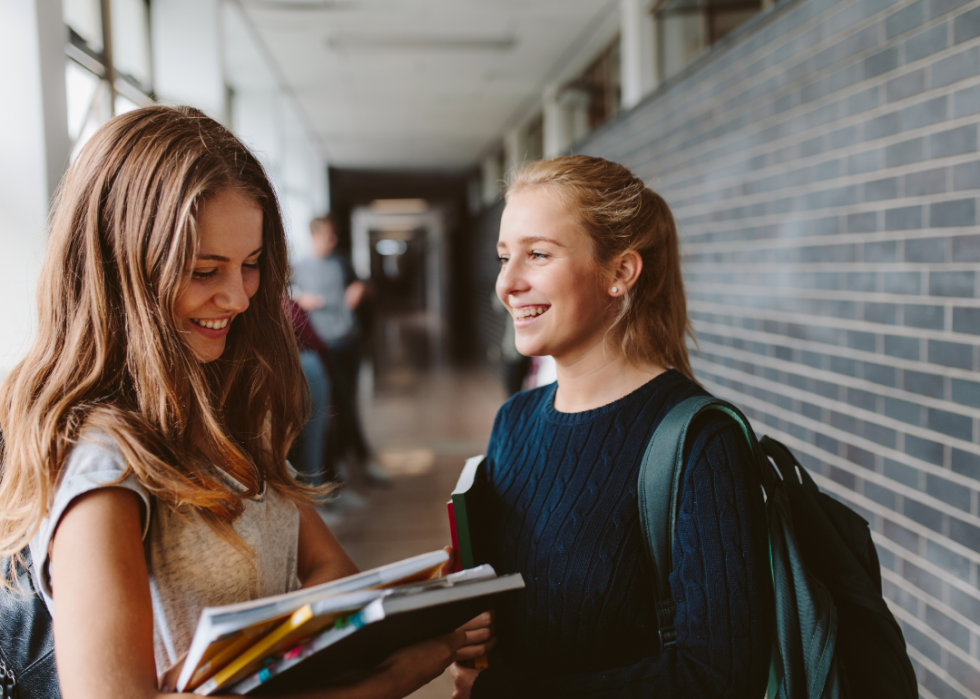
(598, 377)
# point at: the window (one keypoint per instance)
(534, 139)
(601, 82)
(686, 28)
(102, 82)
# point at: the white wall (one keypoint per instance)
(34, 149)
(188, 65)
(267, 122)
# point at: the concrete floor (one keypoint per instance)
(422, 429)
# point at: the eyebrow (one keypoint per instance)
(535, 239)
(222, 258)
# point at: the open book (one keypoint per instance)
(356, 643)
(224, 634)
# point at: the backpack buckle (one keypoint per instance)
(668, 637)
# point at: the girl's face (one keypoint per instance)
(548, 281)
(225, 273)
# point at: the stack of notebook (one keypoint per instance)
(331, 633)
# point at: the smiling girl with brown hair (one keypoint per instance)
(145, 433)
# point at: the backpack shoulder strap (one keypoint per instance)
(657, 492)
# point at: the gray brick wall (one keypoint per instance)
(823, 167)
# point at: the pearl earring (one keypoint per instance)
(615, 289)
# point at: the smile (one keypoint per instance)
(525, 312)
(211, 324)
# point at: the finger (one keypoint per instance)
(479, 635)
(475, 651)
(481, 621)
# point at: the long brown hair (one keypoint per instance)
(621, 214)
(108, 354)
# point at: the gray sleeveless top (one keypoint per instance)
(189, 565)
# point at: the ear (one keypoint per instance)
(625, 272)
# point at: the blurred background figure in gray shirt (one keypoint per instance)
(325, 286)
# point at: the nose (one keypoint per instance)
(232, 295)
(511, 279)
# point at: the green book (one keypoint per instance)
(465, 506)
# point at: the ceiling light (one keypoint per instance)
(298, 5)
(388, 246)
(423, 43)
(399, 206)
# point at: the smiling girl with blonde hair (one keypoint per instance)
(590, 272)
(145, 433)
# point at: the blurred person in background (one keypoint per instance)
(309, 450)
(325, 286)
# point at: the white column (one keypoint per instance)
(188, 67)
(514, 150)
(34, 145)
(638, 51)
(556, 137)
(491, 177)
(575, 103)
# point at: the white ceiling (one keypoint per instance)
(408, 83)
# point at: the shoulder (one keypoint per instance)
(521, 405)
(94, 462)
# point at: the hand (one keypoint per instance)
(417, 665)
(479, 638)
(463, 679)
(309, 301)
(354, 294)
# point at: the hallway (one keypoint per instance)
(422, 427)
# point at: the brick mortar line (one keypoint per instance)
(831, 239)
(817, 294)
(938, 605)
(867, 297)
(687, 230)
(944, 643)
(840, 351)
(818, 240)
(872, 206)
(855, 440)
(711, 267)
(826, 185)
(682, 158)
(863, 501)
(935, 570)
(849, 411)
(821, 130)
(863, 385)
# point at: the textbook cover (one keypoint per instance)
(225, 633)
(464, 507)
(356, 644)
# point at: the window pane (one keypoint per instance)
(131, 39)
(81, 86)
(85, 17)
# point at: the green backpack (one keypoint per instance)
(835, 637)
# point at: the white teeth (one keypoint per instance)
(529, 312)
(212, 324)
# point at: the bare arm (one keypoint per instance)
(320, 557)
(103, 624)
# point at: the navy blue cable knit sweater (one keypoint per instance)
(565, 515)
